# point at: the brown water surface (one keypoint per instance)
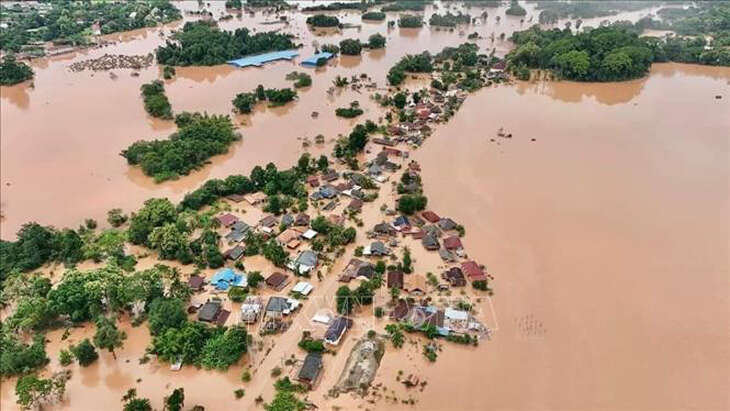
(608, 235)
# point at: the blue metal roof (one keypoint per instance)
(259, 59)
(226, 278)
(312, 61)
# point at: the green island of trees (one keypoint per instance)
(323, 20)
(204, 44)
(610, 53)
(198, 138)
(155, 100)
(300, 79)
(449, 19)
(410, 21)
(352, 111)
(13, 71)
(374, 15)
(70, 22)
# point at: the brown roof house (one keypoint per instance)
(455, 277)
(453, 243)
(430, 216)
(277, 281)
(227, 219)
(395, 279)
(196, 282)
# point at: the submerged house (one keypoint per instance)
(213, 312)
(277, 281)
(473, 271)
(226, 278)
(318, 59)
(234, 253)
(395, 279)
(311, 369)
(305, 262)
(251, 309)
(226, 220)
(430, 242)
(278, 307)
(455, 277)
(337, 329)
(376, 249)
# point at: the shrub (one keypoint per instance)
(85, 353)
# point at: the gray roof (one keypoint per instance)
(378, 247)
(311, 367)
(209, 311)
(235, 236)
(240, 226)
(287, 219)
(277, 304)
(308, 258)
(447, 224)
(337, 328)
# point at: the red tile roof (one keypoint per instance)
(430, 216)
(473, 271)
(452, 243)
(227, 219)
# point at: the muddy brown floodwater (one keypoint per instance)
(608, 235)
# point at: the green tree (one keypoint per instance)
(108, 335)
(344, 300)
(116, 217)
(176, 400)
(165, 313)
(350, 47)
(134, 403)
(85, 353)
(376, 41)
(32, 391)
(244, 102)
(14, 72)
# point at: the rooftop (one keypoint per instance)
(260, 59)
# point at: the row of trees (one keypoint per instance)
(198, 138)
(449, 19)
(323, 20)
(410, 21)
(244, 102)
(418, 63)
(204, 44)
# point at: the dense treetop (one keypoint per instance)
(204, 44)
(199, 137)
(14, 72)
(71, 22)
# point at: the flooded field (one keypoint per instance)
(608, 234)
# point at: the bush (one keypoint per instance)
(14, 72)
(410, 203)
(116, 217)
(376, 41)
(155, 100)
(237, 294)
(244, 102)
(410, 21)
(350, 47)
(85, 353)
(374, 15)
(65, 357)
(349, 112)
(323, 20)
(239, 393)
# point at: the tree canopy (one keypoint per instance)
(204, 44)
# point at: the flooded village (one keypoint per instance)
(495, 244)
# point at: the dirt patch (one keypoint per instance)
(361, 367)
